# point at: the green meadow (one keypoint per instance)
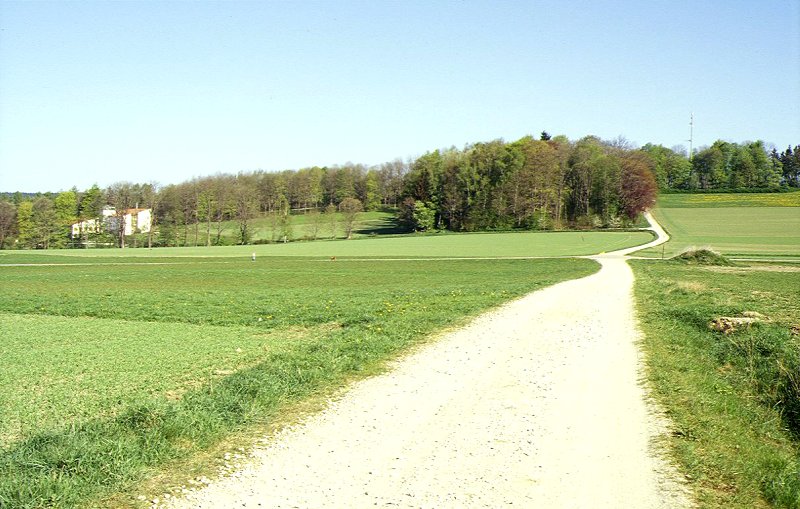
(734, 398)
(727, 200)
(303, 226)
(119, 365)
(739, 225)
(444, 245)
(83, 346)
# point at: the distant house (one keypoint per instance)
(84, 227)
(135, 221)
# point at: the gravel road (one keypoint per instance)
(536, 404)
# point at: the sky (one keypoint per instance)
(165, 91)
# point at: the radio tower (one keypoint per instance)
(691, 134)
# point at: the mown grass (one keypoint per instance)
(710, 200)
(89, 367)
(733, 398)
(472, 245)
(743, 225)
(265, 228)
(745, 231)
(114, 370)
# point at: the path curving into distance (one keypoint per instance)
(536, 404)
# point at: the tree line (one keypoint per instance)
(531, 183)
(726, 166)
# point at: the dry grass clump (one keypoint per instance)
(691, 286)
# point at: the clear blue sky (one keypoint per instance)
(100, 92)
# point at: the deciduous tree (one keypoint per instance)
(246, 200)
(8, 222)
(424, 217)
(330, 212)
(672, 170)
(206, 205)
(91, 203)
(120, 195)
(45, 222)
(372, 200)
(25, 232)
(66, 210)
(150, 199)
(313, 223)
(639, 188)
(390, 181)
(284, 214)
(350, 208)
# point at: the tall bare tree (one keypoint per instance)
(120, 196)
(150, 199)
(350, 207)
(246, 200)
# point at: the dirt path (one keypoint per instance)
(537, 404)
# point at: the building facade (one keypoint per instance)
(134, 221)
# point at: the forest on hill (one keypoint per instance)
(532, 183)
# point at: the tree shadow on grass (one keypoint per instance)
(384, 226)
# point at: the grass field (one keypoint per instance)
(680, 201)
(473, 245)
(116, 366)
(161, 328)
(734, 398)
(743, 225)
(265, 228)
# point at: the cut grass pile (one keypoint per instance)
(743, 225)
(112, 370)
(471, 245)
(734, 397)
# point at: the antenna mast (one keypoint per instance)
(691, 134)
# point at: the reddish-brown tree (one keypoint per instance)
(639, 188)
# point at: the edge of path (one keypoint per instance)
(669, 483)
(675, 493)
(661, 237)
(659, 424)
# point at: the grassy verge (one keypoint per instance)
(732, 397)
(111, 372)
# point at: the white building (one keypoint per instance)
(84, 227)
(135, 221)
